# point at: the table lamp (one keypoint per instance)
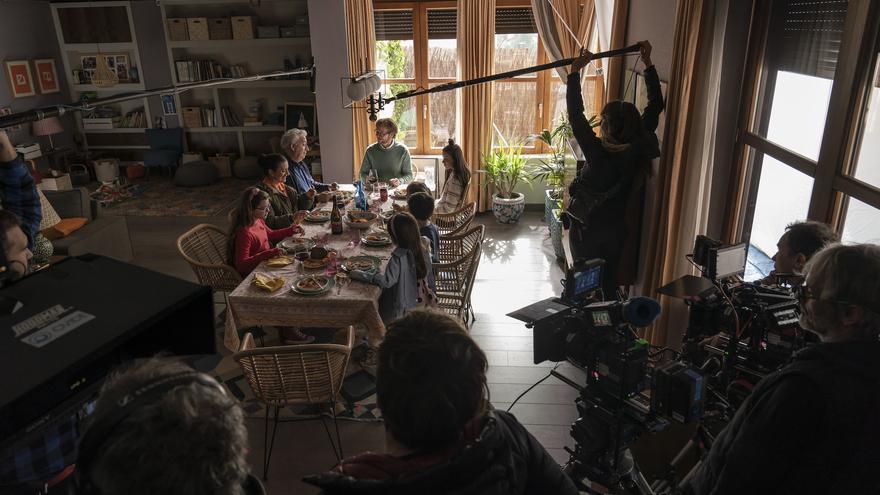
(47, 127)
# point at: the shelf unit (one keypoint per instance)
(71, 58)
(258, 55)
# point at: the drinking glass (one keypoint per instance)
(429, 178)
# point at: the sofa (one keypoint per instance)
(105, 235)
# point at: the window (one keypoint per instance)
(416, 48)
(806, 152)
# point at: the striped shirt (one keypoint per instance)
(452, 197)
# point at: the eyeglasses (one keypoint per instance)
(382, 134)
(804, 292)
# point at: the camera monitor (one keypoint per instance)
(728, 261)
(583, 278)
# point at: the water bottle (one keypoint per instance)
(360, 199)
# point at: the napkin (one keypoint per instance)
(279, 261)
(268, 283)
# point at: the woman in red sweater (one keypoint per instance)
(250, 240)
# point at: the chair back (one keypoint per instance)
(457, 221)
(295, 374)
(204, 248)
(454, 280)
(454, 246)
(165, 139)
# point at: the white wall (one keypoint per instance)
(329, 47)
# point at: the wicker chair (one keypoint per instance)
(453, 246)
(295, 374)
(455, 222)
(204, 248)
(454, 281)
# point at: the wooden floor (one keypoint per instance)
(517, 268)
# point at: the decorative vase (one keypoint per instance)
(508, 210)
(550, 203)
(556, 232)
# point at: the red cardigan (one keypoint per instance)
(252, 244)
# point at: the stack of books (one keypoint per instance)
(101, 123)
(135, 118)
(205, 70)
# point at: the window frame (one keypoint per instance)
(833, 182)
(544, 79)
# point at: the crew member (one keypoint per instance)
(799, 242)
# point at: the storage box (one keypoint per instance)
(192, 116)
(223, 163)
(288, 31)
(267, 31)
(197, 28)
(60, 183)
(177, 29)
(107, 169)
(191, 156)
(242, 27)
(220, 28)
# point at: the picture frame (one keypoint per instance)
(301, 115)
(8, 111)
(21, 81)
(169, 107)
(47, 75)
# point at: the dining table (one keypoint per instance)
(348, 302)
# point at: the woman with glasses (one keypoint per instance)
(386, 158)
(284, 201)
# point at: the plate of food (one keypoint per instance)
(364, 263)
(295, 244)
(318, 216)
(360, 219)
(343, 195)
(315, 263)
(309, 285)
(376, 239)
(399, 193)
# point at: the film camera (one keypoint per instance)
(629, 389)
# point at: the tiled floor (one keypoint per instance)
(517, 268)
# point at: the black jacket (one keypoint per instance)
(505, 459)
(282, 208)
(812, 427)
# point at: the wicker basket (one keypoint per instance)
(220, 28)
(192, 116)
(177, 29)
(242, 27)
(198, 28)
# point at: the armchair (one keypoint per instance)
(166, 147)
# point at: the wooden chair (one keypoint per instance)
(453, 246)
(295, 374)
(204, 248)
(457, 221)
(454, 282)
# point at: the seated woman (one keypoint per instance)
(284, 201)
(387, 158)
(250, 240)
(294, 145)
(458, 178)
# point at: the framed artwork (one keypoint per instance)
(47, 76)
(168, 105)
(118, 62)
(301, 115)
(8, 111)
(18, 72)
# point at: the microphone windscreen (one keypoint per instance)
(357, 91)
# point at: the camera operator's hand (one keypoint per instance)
(645, 53)
(7, 151)
(583, 59)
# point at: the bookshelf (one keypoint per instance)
(231, 103)
(86, 30)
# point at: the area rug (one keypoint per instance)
(159, 197)
(358, 401)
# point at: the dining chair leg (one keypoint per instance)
(336, 425)
(267, 455)
(266, 444)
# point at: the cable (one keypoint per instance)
(533, 386)
(632, 77)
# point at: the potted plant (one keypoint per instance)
(552, 170)
(504, 168)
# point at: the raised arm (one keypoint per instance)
(651, 113)
(580, 126)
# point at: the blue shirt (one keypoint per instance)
(18, 194)
(300, 178)
(433, 234)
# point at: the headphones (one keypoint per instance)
(98, 431)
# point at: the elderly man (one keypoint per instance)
(386, 158)
(161, 427)
(295, 146)
(813, 426)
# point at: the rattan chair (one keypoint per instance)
(204, 248)
(453, 246)
(295, 374)
(455, 222)
(454, 282)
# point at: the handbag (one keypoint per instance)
(583, 202)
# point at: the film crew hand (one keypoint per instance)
(645, 52)
(583, 59)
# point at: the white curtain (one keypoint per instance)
(604, 23)
(564, 27)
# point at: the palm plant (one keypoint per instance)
(504, 168)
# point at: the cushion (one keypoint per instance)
(64, 228)
(247, 167)
(195, 174)
(50, 216)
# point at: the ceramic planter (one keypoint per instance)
(508, 210)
